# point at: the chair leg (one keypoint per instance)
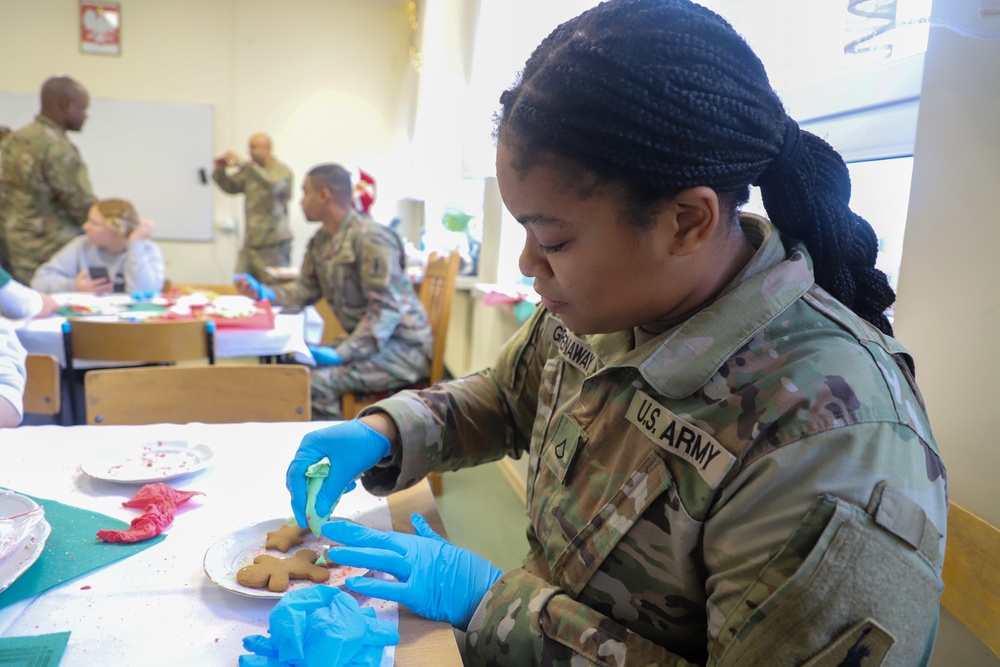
(437, 485)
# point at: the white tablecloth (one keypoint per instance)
(158, 607)
(44, 336)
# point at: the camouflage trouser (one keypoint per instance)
(330, 382)
(253, 259)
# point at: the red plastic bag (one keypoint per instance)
(160, 502)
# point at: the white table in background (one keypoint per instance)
(44, 336)
(157, 607)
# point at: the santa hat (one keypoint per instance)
(364, 190)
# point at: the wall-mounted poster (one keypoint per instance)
(100, 28)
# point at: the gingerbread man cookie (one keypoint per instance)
(274, 573)
(286, 537)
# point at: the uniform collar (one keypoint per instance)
(45, 120)
(681, 360)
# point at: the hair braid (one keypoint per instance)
(663, 95)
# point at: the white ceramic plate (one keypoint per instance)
(238, 549)
(14, 505)
(20, 556)
(151, 462)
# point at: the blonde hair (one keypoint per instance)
(119, 215)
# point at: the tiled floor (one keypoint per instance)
(481, 513)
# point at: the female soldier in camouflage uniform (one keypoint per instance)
(730, 463)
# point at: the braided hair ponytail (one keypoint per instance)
(663, 95)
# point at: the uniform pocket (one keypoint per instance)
(855, 575)
(548, 393)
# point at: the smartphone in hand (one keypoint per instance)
(98, 272)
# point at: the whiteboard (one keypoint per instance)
(155, 155)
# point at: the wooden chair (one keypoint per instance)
(115, 343)
(437, 289)
(222, 289)
(971, 584)
(43, 390)
(332, 328)
(209, 394)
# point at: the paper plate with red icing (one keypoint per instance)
(155, 461)
(238, 549)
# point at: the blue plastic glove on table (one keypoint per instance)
(263, 291)
(436, 579)
(320, 626)
(352, 448)
(325, 356)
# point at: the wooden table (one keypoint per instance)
(157, 607)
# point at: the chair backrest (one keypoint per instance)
(437, 289)
(42, 391)
(222, 289)
(141, 342)
(332, 328)
(209, 394)
(971, 585)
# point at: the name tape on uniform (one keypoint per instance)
(571, 347)
(676, 436)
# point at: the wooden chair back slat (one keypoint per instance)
(43, 390)
(971, 582)
(437, 290)
(144, 342)
(209, 394)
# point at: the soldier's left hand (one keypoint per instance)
(436, 579)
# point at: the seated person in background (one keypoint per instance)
(116, 246)
(357, 265)
(19, 302)
(12, 376)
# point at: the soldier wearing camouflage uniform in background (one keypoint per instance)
(47, 185)
(358, 266)
(266, 184)
(729, 461)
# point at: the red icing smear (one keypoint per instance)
(160, 502)
(84, 588)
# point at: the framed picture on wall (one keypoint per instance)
(100, 27)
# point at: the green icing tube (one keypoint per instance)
(315, 475)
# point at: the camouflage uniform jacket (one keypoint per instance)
(756, 485)
(360, 272)
(48, 194)
(267, 191)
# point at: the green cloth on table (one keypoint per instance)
(71, 550)
(35, 651)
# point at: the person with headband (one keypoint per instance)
(729, 460)
(115, 254)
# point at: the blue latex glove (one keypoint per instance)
(352, 448)
(320, 625)
(263, 291)
(436, 579)
(325, 356)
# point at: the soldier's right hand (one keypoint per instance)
(98, 286)
(352, 448)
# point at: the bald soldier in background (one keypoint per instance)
(46, 181)
(358, 266)
(267, 186)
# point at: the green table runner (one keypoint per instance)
(71, 550)
(37, 651)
